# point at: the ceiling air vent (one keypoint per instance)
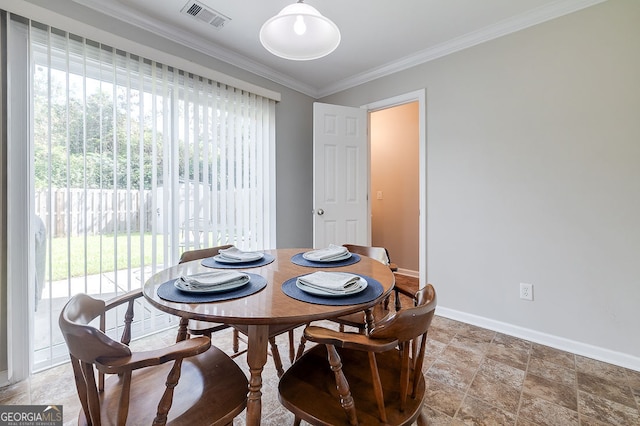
(205, 14)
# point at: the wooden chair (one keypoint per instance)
(188, 383)
(204, 328)
(343, 390)
(380, 254)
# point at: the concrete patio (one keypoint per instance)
(48, 345)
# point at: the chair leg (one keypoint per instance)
(422, 419)
(182, 330)
(296, 421)
(342, 385)
(301, 346)
(275, 353)
(292, 352)
(167, 397)
(236, 341)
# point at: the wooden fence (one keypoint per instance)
(72, 212)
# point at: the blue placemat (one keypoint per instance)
(168, 291)
(210, 262)
(372, 292)
(301, 261)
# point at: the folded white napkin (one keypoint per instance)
(212, 279)
(332, 252)
(234, 253)
(334, 282)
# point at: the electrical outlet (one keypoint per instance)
(526, 291)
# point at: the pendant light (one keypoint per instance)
(299, 33)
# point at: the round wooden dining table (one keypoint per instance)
(267, 307)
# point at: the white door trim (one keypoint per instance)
(420, 97)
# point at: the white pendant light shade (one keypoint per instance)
(300, 33)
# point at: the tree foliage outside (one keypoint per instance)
(96, 143)
(91, 141)
(98, 127)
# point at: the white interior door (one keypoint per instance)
(340, 175)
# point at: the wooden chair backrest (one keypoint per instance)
(378, 253)
(190, 255)
(409, 326)
(373, 378)
(86, 342)
(410, 323)
(204, 328)
(142, 384)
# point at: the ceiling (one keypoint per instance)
(379, 37)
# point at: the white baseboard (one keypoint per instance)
(408, 273)
(578, 348)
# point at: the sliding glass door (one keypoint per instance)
(131, 163)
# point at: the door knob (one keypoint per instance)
(320, 212)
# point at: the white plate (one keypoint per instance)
(215, 289)
(222, 259)
(345, 256)
(318, 292)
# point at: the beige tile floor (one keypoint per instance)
(474, 377)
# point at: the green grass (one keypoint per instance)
(69, 260)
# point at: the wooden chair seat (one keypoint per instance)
(363, 379)
(312, 390)
(187, 383)
(208, 380)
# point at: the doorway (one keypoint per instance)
(394, 183)
(419, 97)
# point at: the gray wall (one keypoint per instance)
(533, 175)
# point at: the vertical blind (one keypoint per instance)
(127, 123)
(135, 161)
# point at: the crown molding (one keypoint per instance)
(502, 28)
(491, 32)
(131, 16)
